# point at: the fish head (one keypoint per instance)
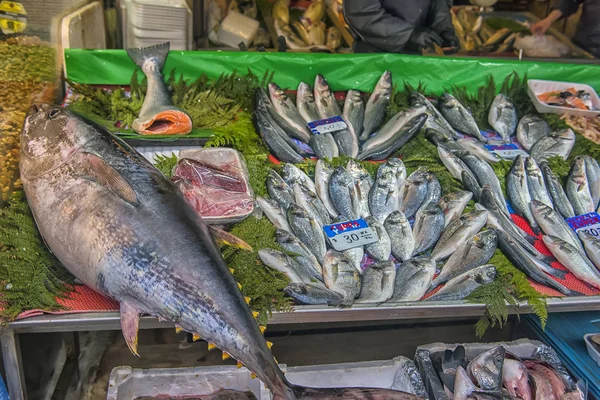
(384, 85)
(553, 242)
(486, 238)
(283, 236)
(295, 211)
(532, 167)
(448, 101)
(519, 165)
(344, 177)
(276, 92)
(503, 101)
(486, 368)
(354, 96)
(485, 274)
(386, 179)
(321, 85)
(272, 257)
(50, 137)
(417, 99)
(474, 217)
(305, 92)
(564, 134)
(487, 197)
(578, 173)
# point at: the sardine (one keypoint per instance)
(308, 230)
(435, 117)
(401, 236)
(309, 200)
(354, 112)
(376, 105)
(553, 224)
(381, 250)
(305, 103)
(378, 282)
(578, 188)
(324, 145)
(298, 250)
(463, 285)
(158, 115)
(311, 294)
(477, 148)
(592, 170)
(429, 224)
(531, 128)
(291, 121)
(343, 194)
(289, 266)
(486, 368)
(389, 131)
(453, 204)
(414, 192)
(292, 175)
(383, 196)
(457, 115)
(323, 173)
(592, 246)
(557, 193)
(363, 183)
(457, 233)
(503, 117)
(341, 276)
(413, 278)
(325, 100)
(518, 192)
(274, 213)
(279, 190)
(575, 260)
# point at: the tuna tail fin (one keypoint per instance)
(306, 393)
(158, 51)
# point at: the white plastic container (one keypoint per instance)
(536, 87)
(592, 350)
(237, 28)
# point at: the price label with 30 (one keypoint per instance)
(350, 234)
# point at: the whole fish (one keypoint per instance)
(376, 105)
(298, 250)
(292, 175)
(413, 278)
(435, 117)
(452, 162)
(158, 115)
(391, 128)
(382, 249)
(399, 139)
(434, 190)
(553, 224)
(592, 170)
(531, 128)
(343, 194)
(470, 183)
(558, 143)
(435, 136)
(309, 200)
(463, 285)
(397, 167)
(279, 190)
(324, 145)
(378, 282)
(574, 259)
(131, 236)
(429, 224)
(290, 121)
(325, 100)
(289, 266)
(270, 132)
(557, 193)
(274, 213)
(311, 294)
(592, 246)
(363, 183)
(413, 193)
(347, 142)
(323, 173)
(356, 255)
(474, 252)
(516, 379)
(518, 192)
(305, 103)
(457, 233)
(354, 112)
(503, 117)
(401, 237)
(478, 149)
(453, 204)
(308, 230)
(341, 276)
(578, 188)
(486, 368)
(383, 196)
(457, 115)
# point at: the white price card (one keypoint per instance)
(589, 222)
(349, 234)
(508, 151)
(327, 125)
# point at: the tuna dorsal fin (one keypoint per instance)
(97, 170)
(130, 321)
(225, 238)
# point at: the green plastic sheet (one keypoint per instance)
(343, 71)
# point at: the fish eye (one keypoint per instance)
(53, 113)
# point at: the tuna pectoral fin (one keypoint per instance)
(95, 169)
(225, 238)
(305, 393)
(130, 321)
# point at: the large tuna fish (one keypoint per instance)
(122, 228)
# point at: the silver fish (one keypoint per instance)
(578, 188)
(474, 252)
(413, 193)
(292, 174)
(309, 200)
(324, 146)
(347, 142)
(323, 173)
(478, 149)
(558, 143)
(434, 190)
(343, 194)
(592, 246)
(531, 128)
(463, 285)
(470, 183)
(457, 233)
(453, 163)
(305, 103)
(592, 170)
(453, 204)
(503, 117)
(435, 136)
(356, 255)
(308, 230)
(378, 282)
(413, 278)
(397, 167)
(302, 254)
(557, 193)
(382, 249)
(429, 224)
(401, 237)
(376, 105)
(553, 224)
(279, 190)
(383, 197)
(326, 103)
(363, 183)
(274, 213)
(341, 276)
(435, 120)
(486, 368)
(457, 115)
(518, 192)
(391, 128)
(354, 112)
(463, 386)
(399, 139)
(289, 266)
(311, 294)
(575, 260)
(294, 124)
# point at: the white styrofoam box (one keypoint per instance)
(536, 87)
(592, 350)
(237, 28)
(84, 28)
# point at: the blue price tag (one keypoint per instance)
(327, 125)
(589, 222)
(349, 234)
(508, 151)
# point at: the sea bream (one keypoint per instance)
(158, 115)
(122, 228)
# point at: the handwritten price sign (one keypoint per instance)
(589, 222)
(350, 234)
(327, 125)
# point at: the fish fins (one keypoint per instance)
(225, 238)
(158, 51)
(97, 170)
(130, 322)
(308, 393)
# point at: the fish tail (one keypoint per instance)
(306, 393)
(158, 51)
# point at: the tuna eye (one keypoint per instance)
(53, 113)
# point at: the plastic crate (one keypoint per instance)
(536, 87)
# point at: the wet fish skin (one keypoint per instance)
(376, 105)
(536, 183)
(378, 282)
(458, 232)
(274, 213)
(292, 174)
(341, 276)
(293, 245)
(552, 223)
(452, 162)
(463, 385)
(383, 196)
(486, 368)
(286, 109)
(356, 255)
(401, 237)
(530, 129)
(429, 224)
(309, 200)
(311, 294)
(575, 260)
(325, 100)
(324, 146)
(354, 112)
(305, 103)
(413, 278)
(578, 188)
(382, 249)
(417, 99)
(478, 149)
(347, 142)
(308, 230)
(279, 190)
(559, 143)
(453, 204)
(516, 379)
(323, 173)
(557, 193)
(518, 192)
(592, 246)
(470, 183)
(397, 167)
(343, 195)
(414, 192)
(434, 190)
(399, 139)
(289, 266)
(435, 136)
(463, 285)
(390, 129)
(503, 117)
(458, 116)
(592, 170)
(363, 183)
